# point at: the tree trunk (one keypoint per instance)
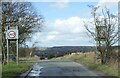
(102, 58)
(4, 54)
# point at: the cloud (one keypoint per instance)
(67, 32)
(70, 25)
(50, 37)
(60, 4)
(107, 3)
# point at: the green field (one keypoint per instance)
(8, 71)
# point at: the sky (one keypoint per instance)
(64, 22)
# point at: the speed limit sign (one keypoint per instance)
(12, 34)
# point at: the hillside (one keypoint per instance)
(62, 50)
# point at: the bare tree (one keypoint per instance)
(104, 30)
(23, 15)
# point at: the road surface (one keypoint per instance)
(59, 68)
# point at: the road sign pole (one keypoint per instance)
(17, 50)
(7, 49)
(7, 52)
(17, 47)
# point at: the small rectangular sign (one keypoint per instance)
(12, 34)
(101, 32)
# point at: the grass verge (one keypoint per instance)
(12, 69)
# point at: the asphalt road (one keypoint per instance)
(59, 68)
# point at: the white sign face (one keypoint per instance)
(12, 34)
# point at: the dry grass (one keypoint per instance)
(29, 58)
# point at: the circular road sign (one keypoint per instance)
(12, 34)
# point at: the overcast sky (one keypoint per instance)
(64, 22)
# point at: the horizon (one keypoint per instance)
(75, 46)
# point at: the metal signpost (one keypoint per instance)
(12, 34)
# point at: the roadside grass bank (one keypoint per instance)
(11, 70)
(29, 58)
(88, 59)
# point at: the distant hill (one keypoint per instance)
(57, 51)
(62, 50)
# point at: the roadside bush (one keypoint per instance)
(50, 56)
(41, 58)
